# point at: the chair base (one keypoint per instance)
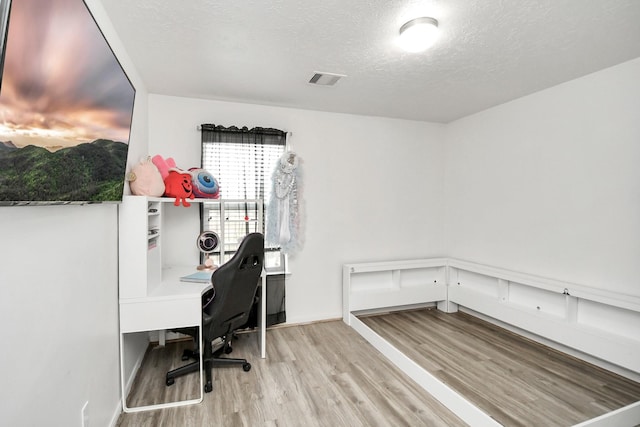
(209, 363)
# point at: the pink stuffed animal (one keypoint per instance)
(164, 165)
(145, 179)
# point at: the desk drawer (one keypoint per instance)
(159, 314)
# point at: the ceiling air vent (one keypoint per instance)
(325, 79)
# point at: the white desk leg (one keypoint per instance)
(263, 317)
(162, 337)
(202, 344)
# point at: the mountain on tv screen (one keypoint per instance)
(66, 106)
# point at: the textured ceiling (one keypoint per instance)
(264, 52)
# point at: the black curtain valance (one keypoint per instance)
(209, 127)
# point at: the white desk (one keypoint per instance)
(168, 305)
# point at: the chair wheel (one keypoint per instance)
(170, 381)
(246, 367)
(228, 349)
(189, 354)
(208, 387)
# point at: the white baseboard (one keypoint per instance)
(116, 414)
(302, 320)
(129, 384)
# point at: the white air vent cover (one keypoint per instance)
(325, 79)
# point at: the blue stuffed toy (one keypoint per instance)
(205, 185)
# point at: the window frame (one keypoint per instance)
(264, 138)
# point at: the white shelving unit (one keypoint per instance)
(139, 249)
(156, 238)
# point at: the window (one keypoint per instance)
(242, 160)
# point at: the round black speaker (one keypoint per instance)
(207, 242)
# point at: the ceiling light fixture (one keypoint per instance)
(418, 34)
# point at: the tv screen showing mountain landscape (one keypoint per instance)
(66, 107)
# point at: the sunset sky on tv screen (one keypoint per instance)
(61, 84)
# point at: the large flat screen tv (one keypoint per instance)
(66, 106)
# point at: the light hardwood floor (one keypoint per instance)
(325, 374)
(516, 381)
(322, 374)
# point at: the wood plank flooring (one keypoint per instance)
(322, 374)
(516, 381)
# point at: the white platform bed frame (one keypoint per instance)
(600, 327)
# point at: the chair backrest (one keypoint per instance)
(235, 283)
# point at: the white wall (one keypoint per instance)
(59, 300)
(550, 184)
(58, 305)
(372, 187)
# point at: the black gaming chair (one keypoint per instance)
(235, 284)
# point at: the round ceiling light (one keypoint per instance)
(418, 34)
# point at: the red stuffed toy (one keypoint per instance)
(177, 183)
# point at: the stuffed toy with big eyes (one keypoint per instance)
(204, 184)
